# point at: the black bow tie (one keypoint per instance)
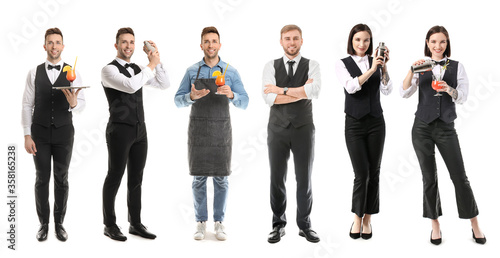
(58, 67)
(441, 63)
(130, 65)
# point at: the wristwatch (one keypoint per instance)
(285, 90)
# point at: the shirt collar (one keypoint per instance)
(444, 59)
(296, 59)
(220, 64)
(359, 59)
(121, 61)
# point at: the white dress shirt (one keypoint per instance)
(351, 85)
(311, 89)
(462, 83)
(29, 94)
(112, 78)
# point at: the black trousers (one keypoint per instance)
(301, 142)
(365, 139)
(52, 144)
(438, 133)
(127, 147)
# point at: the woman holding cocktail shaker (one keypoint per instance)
(363, 78)
(434, 126)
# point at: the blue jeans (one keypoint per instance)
(221, 187)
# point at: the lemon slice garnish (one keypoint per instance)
(216, 73)
(66, 68)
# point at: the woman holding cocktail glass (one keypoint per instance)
(363, 78)
(434, 126)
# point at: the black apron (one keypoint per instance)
(209, 133)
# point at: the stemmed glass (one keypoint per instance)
(436, 86)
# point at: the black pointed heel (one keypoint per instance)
(437, 241)
(367, 236)
(354, 235)
(481, 241)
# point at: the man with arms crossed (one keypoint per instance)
(289, 84)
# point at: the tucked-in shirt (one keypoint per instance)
(311, 89)
(29, 93)
(232, 78)
(112, 78)
(351, 85)
(438, 71)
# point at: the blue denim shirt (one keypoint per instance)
(232, 77)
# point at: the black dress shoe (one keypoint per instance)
(481, 241)
(114, 233)
(309, 234)
(141, 230)
(436, 241)
(42, 232)
(61, 232)
(354, 235)
(367, 236)
(276, 234)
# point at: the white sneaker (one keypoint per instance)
(201, 228)
(219, 231)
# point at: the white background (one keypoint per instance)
(250, 38)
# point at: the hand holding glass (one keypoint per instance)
(435, 85)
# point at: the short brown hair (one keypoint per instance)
(51, 31)
(358, 28)
(210, 29)
(434, 30)
(126, 30)
(290, 27)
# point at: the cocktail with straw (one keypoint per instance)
(70, 73)
(220, 80)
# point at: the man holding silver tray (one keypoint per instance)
(48, 131)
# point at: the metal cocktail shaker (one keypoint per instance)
(381, 51)
(423, 67)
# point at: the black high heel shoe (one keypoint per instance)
(367, 236)
(354, 235)
(481, 241)
(437, 241)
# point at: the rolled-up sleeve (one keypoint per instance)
(350, 84)
(268, 78)
(240, 99)
(182, 96)
(312, 89)
(412, 89)
(462, 85)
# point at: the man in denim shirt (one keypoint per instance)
(209, 133)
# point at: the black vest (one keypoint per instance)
(367, 100)
(431, 107)
(51, 106)
(297, 113)
(124, 107)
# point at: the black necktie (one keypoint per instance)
(441, 63)
(290, 68)
(58, 67)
